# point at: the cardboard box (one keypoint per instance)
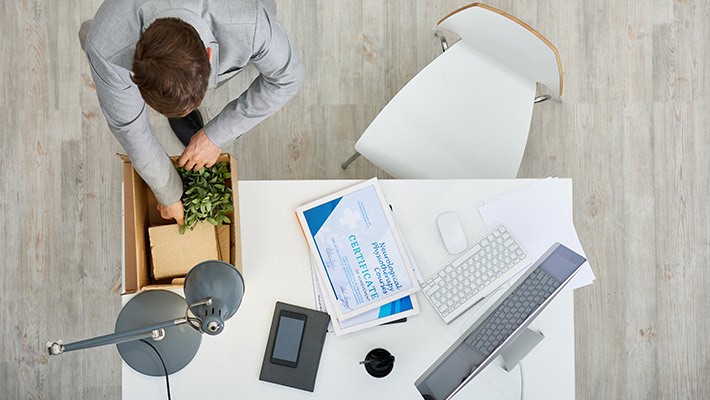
(141, 212)
(174, 254)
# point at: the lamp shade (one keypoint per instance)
(222, 283)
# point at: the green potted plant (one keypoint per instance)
(205, 196)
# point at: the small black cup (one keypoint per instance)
(378, 363)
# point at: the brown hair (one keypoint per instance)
(171, 67)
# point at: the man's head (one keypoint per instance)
(171, 67)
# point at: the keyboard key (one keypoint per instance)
(431, 289)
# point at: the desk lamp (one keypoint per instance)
(213, 293)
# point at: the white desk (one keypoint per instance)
(276, 268)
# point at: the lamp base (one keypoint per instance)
(179, 344)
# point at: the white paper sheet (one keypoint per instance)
(538, 216)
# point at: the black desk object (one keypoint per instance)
(303, 375)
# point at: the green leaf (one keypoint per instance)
(206, 196)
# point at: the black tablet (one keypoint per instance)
(289, 336)
(294, 346)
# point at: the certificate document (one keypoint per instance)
(359, 252)
(394, 311)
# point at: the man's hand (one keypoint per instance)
(201, 152)
(173, 211)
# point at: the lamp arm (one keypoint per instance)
(56, 348)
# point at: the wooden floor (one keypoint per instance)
(633, 132)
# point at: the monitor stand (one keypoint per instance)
(519, 348)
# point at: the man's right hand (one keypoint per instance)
(174, 211)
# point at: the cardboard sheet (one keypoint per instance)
(174, 254)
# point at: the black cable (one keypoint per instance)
(167, 380)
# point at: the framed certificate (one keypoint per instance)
(358, 250)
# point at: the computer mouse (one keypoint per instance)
(451, 232)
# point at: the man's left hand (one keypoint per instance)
(201, 152)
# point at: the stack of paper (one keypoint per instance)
(394, 311)
(539, 216)
(362, 274)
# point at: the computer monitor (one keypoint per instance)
(491, 334)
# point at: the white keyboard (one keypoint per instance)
(475, 273)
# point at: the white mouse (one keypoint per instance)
(451, 232)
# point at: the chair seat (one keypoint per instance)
(462, 116)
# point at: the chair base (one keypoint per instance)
(350, 160)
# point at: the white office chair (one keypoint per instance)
(467, 114)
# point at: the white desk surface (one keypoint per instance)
(276, 268)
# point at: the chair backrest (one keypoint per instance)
(509, 41)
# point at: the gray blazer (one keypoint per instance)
(237, 31)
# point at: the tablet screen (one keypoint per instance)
(288, 339)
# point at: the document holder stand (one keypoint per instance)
(520, 347)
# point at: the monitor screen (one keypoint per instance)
(486, 338)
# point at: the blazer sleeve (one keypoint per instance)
(127, 118)
(281, 74)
